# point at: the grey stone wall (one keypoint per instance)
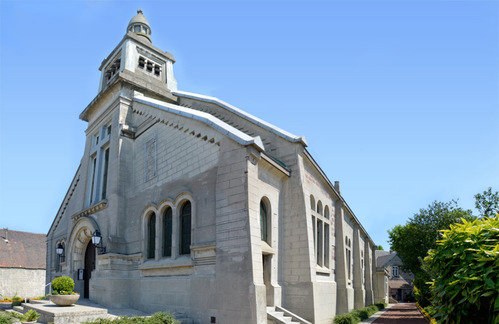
(22, 282)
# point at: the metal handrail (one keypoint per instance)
(50, 290)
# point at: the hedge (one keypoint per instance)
(465, 268)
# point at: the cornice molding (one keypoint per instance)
(91, 210)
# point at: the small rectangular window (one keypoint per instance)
(104, 176)
(93, 165)
(326, 245)
(319, 242)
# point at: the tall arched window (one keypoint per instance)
(348, 248)
(167, 232)
(151, 236)
(263, 221)
(312, 206)
(185, 228)
(321, 231)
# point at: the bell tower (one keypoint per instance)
(140, 26)
(138, 63)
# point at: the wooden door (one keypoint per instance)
(89, 266)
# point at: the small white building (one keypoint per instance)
(203, 209)
(22, 264)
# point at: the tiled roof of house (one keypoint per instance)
(22, 249)
(382, 257)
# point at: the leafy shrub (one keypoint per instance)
(346, 319)
(6, 318)
(372, 309)
(360, 314)
(16, 298)
(30, 316)
(163, 318)
(380, 305)
(465, 267)
(16, 303)
(156, 318)
(430, 310)
(410, 298)
(62, 284)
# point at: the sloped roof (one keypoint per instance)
(210, 120)
(382, 257)
(22, 249)
(241, 113)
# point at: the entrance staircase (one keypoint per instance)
(279, 315)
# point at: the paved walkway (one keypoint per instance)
(406, 313)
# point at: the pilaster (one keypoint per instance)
(357, 270)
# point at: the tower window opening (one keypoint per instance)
(157, 69)
(113, 69)
(149, 66)
(142, 62)
(136, 28)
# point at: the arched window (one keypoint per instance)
(312, 202)
(319, 207)
(263, 221)
(167, 232)
(151, 236)
(321, 225)
(185, 228)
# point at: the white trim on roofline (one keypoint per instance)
(276, 130)
(210, 120)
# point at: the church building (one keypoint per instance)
(185, 203)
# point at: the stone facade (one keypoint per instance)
(22, 282)
(204, 209)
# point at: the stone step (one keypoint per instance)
(19, 309)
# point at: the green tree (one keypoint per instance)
(465, 268)
(379, 248)
(487, 203)
(420, 234)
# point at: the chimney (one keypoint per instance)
(337, 186)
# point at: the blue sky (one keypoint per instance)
(398, 100)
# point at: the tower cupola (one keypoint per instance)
(140, 26)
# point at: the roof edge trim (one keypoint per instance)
(205, 118)
(324, 176)
(276, 130)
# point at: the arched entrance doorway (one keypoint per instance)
(89, 267)
(82, 253)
